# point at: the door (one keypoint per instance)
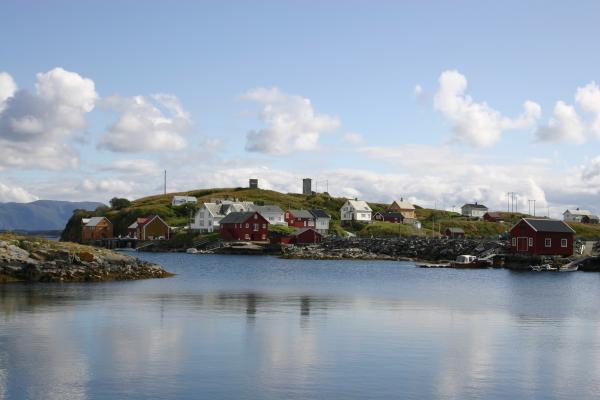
(522, 244)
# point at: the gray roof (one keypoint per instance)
(237, 217)
(391, 214)
(548, 225)
(267, 209)
(302, 214)
(95, 221)
(456, 230)
(478, 206)
(318, 213)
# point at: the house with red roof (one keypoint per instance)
(149, 228)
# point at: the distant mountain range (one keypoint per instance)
(41, 215)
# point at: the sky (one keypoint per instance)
(440, 103)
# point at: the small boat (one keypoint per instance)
(468, 261)
(568, 268)
(191, 250)
(432, 265)
(543, 267)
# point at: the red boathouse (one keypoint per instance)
(541, 236)
(244, 226)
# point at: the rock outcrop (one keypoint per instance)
(36, 260)
(421, 248)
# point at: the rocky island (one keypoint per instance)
(31, 259)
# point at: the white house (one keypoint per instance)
(209, 216)
(322, 220)
(356, 210)
(473, 210)
(576, 215)
(273, 214)
(181, 200)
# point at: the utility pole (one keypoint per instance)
(165, 183)
(534, 207)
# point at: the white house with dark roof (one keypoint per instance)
(473, 210)
(209, 216)
(322, 220)
(272, 213)
(356, 210)
(576, 215)
(181, 200)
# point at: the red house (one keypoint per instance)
(306, 236)
(454, 233)
(299, 219)
(389, 216)
(542, 237)
(492, 217)
(244, 226)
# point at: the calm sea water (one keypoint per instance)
(230, 327)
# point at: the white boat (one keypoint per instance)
(191, 250)
(468, 261)
(568, 268)
(543, 267)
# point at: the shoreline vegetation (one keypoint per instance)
(33, 259)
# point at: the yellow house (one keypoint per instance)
(403, 207)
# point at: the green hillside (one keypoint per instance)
(179, 216)
(434, 221)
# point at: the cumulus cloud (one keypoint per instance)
(8, 87)
(157, 123)
(474, 123)
(36, 128)
(565, 124)
(588, 98)
(16, 194)
(292, 123)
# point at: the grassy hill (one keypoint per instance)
(433, 220)
(179, 216)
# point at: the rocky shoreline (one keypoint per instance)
(401, 248)
(26, 259)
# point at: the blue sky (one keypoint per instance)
(327, 87)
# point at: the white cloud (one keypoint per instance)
(418, 90)
(588, 98)
(133, 167)
(8, 87)
(155, 124)
(477, 124)
(15, 193)
(565, 124)
(354, 138)
(36, 128)
(292, 124)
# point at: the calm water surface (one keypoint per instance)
(230, 327)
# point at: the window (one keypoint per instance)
(247, 237)
(264, 236)
(530, 242)
(514, 241)
(548, 242)
(264, 226)
(255, 227)
(247, 225)
(563, 242)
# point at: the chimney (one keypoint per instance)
(401, 199)
(356, 199)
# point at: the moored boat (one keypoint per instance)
(468, 261)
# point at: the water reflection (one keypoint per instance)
(271, 329)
